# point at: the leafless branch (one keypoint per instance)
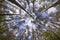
(8, 14)
(17, 3)
(5, 20)
(54, 4)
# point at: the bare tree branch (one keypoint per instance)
(55, 35)
(33, 5)
(54, 4)
(22, 33)
(8, 14)
(17, 3)
(4, 20)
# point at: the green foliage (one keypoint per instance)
(8, 35)
(1, 12)
(58, 32)
(1, 32)
(2, 37)
(4, 28)
(1, 1)
(1, 18)
(0, 26)
(49, 35)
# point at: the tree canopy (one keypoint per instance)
(29, 19)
